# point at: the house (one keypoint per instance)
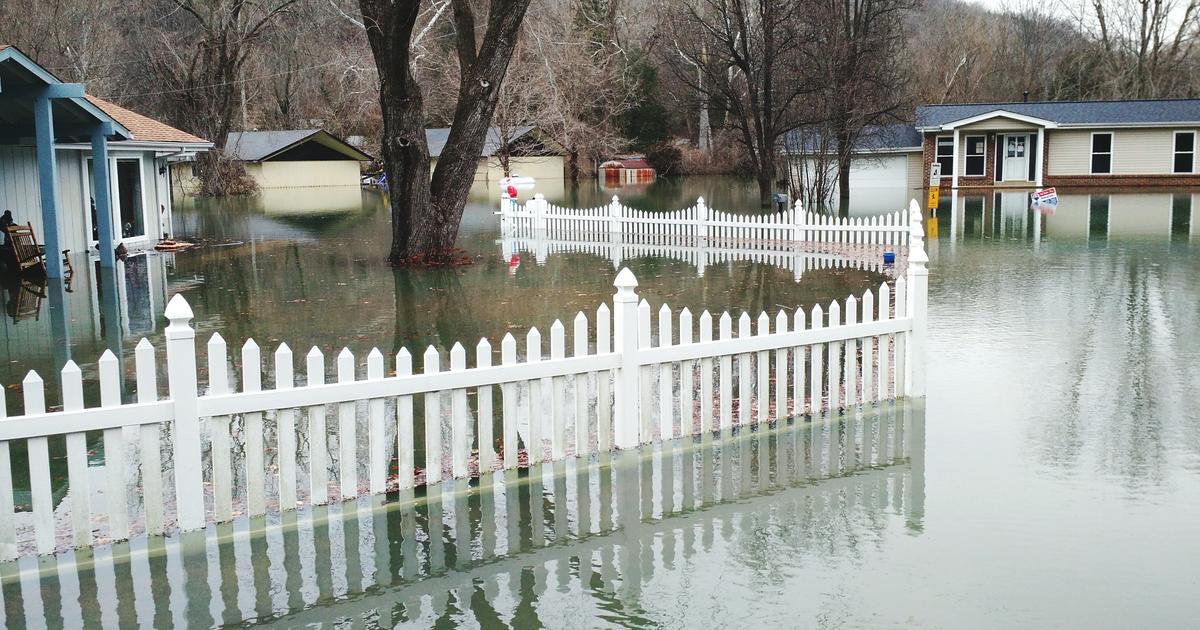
(297, 158)
(1063, 143)
(86, 173)
(885, 165)
(530, 153)
(628, 169)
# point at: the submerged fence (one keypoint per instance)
(634, 374)
(540, 217)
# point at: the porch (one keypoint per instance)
(993, 150)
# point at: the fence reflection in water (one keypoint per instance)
(491, 548)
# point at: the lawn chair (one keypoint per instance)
(28, 254)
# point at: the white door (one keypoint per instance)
(1016, 161)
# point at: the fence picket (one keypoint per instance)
(77, 460)
(762, 394)
(867, 375)
(835, 359)
(38, 453)
(851, 366)
(347, 433)
(580, 339)
(460, 426)
(726, 376)
(885, 346)
(150, 448)
(318, 439)
(534, 441)
(405, 445)
(645, 430)
(256, 470)
(706, 376)
(483, 432)
(558, 392)
(901, 344)
(116, 493)
(745, 385)
(285, 429)
(8, 530)
(799, 357)
(508, 357)
(781, 370)
(377, 452)
(687, 369)
(816, 372)
(221, 444)
(604, 406)
(666, 419)
(433, 420)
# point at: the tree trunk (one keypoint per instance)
(426, 211)
(765, 184)
(844, 184)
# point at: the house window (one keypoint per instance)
(1185, 151)
(945, 154)
(1101, 153)
(975, 155)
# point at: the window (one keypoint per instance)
(1185, 151)
(945, 154)
(975, 155)
(1102, 153)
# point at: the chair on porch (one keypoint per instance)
(28, 254)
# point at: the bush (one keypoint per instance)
(665, 158)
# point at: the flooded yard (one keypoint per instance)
(1051, 478)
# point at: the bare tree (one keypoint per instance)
(426, 211)
(746, 55)
(1147, 44)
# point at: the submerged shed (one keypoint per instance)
(297, 158)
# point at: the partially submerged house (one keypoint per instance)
(626, 169)
(528, 151)
(297, 158)
(85, 173)
(1066, 143)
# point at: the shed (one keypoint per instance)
(529, 152)
(628, 169)
(297, 158)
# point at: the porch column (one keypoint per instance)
(1039, 159)
(104, 222)
(956, 166)
(43, 118)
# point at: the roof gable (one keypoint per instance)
(260, 146)
(144, 128)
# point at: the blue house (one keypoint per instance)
(85, 173)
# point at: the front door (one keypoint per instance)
(1016, 162)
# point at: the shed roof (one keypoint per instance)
(436, 139)
(1071, 113)
(259, 146)
(891, 138)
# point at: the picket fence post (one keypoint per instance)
(798, 226)
(703, 214)
(627, 394)
(917, 305)
(539, 212)
(614, 215)
(181, 383)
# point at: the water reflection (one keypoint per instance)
(1083, 216)
(605, 534)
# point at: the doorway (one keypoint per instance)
(1016, 157)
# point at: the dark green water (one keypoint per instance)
(1051, 478)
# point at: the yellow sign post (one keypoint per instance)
(935, 180)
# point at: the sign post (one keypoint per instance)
(935, 180)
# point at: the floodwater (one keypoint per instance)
(1051, 478)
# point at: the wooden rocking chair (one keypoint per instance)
(29, 254)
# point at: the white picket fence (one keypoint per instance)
(624, 383)
(538, 216)
(698, 253)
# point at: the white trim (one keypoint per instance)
(967, 155)
(998, 113)
(957, 159)
(1039, 158)
(1175, 152)
(936, 157)
(1112, 146)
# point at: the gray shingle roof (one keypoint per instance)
(1071, 112)
(894, 137)
(254, 146)
(436, 139)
